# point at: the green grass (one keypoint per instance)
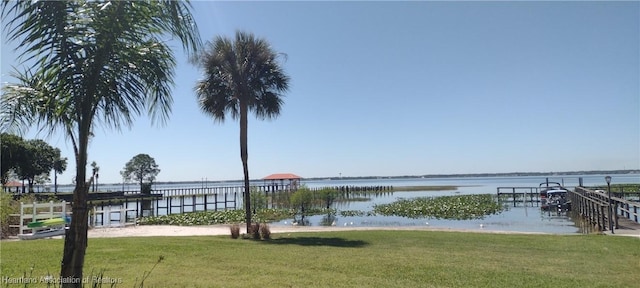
(347, 259)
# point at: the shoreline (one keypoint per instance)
(224, 229)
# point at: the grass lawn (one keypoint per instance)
(346, 259)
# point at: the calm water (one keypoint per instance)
(524, 217)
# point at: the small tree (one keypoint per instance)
(258, 199)
(39, 159)
(13, 152)
(329, 195)
(302, 199)
(143, 169)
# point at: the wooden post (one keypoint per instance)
(601, 223)
(626, 207)
(615, 214)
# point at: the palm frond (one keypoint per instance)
(107, 55)
(243, 70)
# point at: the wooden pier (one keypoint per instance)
(604, 213)
(185, 200)
(519, 195)
(592, 206)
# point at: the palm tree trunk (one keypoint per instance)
(55, 181)
(244, 155)
(75, 242)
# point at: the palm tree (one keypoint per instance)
(59, 166)
(91, 62)
(94, 172)
(240, 76)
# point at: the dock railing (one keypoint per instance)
(593, 206)
(519, 194)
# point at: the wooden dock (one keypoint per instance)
(592, 206)
(185, 200)
(607, 214)
(518, 195)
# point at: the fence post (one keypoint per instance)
(21, 216)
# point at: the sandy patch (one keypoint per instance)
(168, 230)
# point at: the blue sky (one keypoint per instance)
(407, 88)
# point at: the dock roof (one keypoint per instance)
(13, 184)
(282, 176)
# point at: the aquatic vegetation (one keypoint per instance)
(458, 207)
(626, 188)
(357, 213)
(273, 215)
(351, 213)
(196, 218)
(216, 217)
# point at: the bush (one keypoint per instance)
(265, 232)
(328, 195)
(301, 200)
(235, 231)
(254, 231)
(7, 207)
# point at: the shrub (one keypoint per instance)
(254, 231)
(328, 195)
(8, 206)
(235, 231)
(265, 232)
(301, 200)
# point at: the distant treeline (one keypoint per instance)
(510, 174)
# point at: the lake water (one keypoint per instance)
(523, 217)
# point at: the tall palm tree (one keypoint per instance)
(59, 166)
(88, 63)
(240, 76)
